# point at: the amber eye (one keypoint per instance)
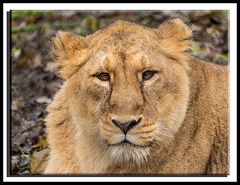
(147, 75)
(103, 77)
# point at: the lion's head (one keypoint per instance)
(127, 85)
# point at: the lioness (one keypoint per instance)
(134, 102)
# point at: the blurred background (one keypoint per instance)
(34, 76)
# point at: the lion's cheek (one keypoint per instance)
(90, 99)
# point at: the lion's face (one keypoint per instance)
(130, 96)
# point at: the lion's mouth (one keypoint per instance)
(124, 142)
(127, 143)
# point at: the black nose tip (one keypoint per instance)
(126, 126)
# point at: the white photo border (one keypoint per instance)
(232, 7)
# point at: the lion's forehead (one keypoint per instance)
(128, 41)
(124, 36)
(128, 55)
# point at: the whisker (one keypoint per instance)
(145, 132)
(163, 131)
(162, 135)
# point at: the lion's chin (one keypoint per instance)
(128, 152)
(125, 151)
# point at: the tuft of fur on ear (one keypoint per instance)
(70, 51)
(175, 37)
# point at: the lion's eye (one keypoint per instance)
(103, 76)
(147, 75)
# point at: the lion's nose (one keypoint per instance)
(126, 126)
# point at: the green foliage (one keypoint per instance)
(92, 23)
(25, 162)
(30, 13)
(145, 18)
(194, 49)
(40, 27)
(224, 57)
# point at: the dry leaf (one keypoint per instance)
(37, 60)
(38, 161)
(43, 99)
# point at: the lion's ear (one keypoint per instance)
(70, 51)
(175, 28)
(175, 35)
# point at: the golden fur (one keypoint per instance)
(182, 110)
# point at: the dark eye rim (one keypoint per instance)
(148, 71)
(100, 78)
